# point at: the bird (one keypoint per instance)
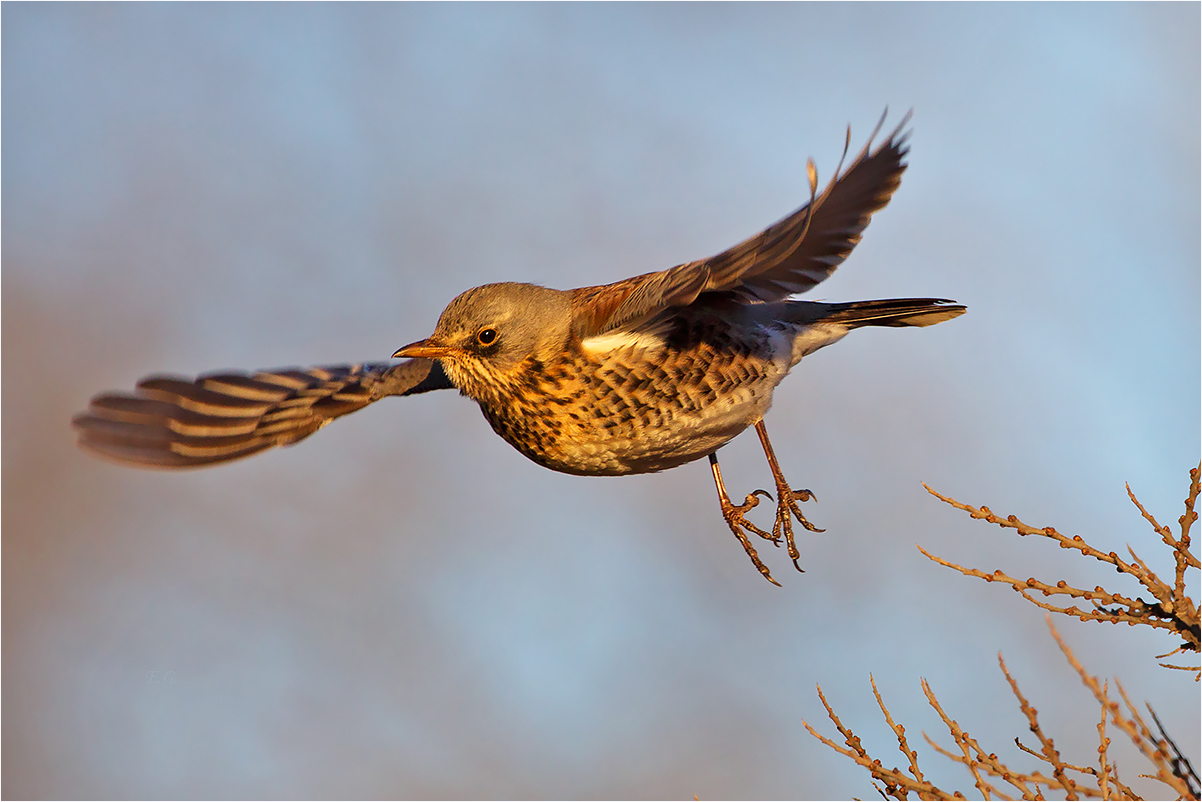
(637, 376)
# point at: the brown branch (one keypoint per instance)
(900, 732)
(1156, 752)
(1181, 766)
(1049, 749)
(1172, 608)
(1012, 522)
(985, 765)
(1137, 611)
(983, 759)
(1182, 556)
(896, 783)
(1103, 748)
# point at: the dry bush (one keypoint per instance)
(1171, 609)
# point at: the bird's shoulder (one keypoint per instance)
(717, 322)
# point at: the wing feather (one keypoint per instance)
(789, 257)
(177, 422)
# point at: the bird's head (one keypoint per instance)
(484, 336)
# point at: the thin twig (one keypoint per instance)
(1136, 730)
(1049, 749)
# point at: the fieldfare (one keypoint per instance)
(632, 377)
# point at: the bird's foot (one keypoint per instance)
(787, 508)
(735, 516)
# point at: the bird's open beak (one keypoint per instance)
(424, 349)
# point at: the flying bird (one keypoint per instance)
(637, 376)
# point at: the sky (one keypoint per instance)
(402, 606)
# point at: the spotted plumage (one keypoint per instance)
(695, 379)
(637, 376)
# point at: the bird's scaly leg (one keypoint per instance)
(733, 513)
(786, 501)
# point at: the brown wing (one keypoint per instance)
(788, 257)
(176, 422)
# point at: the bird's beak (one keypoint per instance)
(424, 349)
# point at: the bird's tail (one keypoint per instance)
(820, 324)
(177, 422)
(886, 312)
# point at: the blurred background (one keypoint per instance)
(402, 606)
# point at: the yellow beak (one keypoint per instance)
(424, 349)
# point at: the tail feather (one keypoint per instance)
(177, 422)
(887, 312)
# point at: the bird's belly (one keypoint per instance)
(648, 451)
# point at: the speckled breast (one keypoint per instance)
(640, 403)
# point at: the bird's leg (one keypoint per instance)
(786, 500)
(733, 513)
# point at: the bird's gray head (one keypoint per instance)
(487, 333)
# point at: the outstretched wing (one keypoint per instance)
(176, 422)
(788, 257)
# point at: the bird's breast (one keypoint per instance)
(637, 403)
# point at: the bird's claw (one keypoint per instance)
(752, 501)
(786, 509)
(734, 515)
(738, 518)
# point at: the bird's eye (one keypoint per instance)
(486, 336)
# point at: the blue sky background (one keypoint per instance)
(402, 606)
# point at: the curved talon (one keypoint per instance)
(751, 501)
(768, 576)
(801, 519)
